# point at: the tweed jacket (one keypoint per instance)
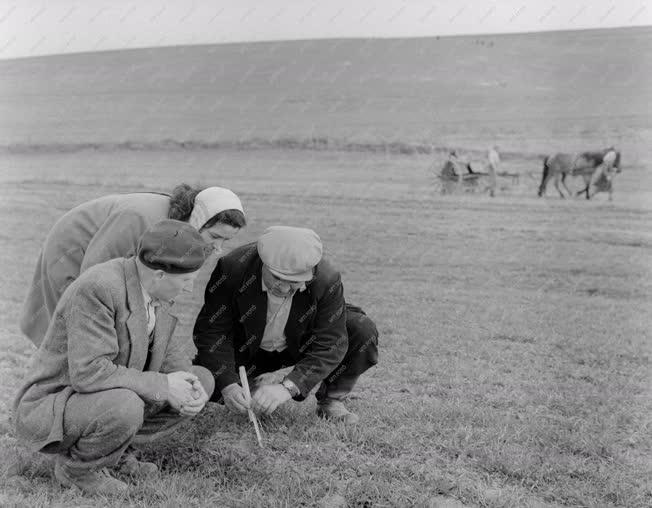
(91, 233)
(97, 340)
(230, 325)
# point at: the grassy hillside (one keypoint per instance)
(530, 93)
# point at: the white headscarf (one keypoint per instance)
(210, 202)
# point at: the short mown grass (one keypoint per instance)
(502, 382)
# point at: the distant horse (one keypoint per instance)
(561, 165)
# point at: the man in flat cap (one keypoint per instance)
(109, 372)
(277, 303)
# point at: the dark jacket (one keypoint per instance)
(230, 326)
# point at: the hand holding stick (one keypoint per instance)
(252, 415)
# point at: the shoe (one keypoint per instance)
(135, 468)
(335, 410)
(92, 482)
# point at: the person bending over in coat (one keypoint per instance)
(110, 227)
(277, 303)
(109, 372)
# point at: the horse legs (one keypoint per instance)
(587, 184)
(557, 179)
(563, 182)
(591, 190)
(545, 176)
(544, 183)
(582, 191)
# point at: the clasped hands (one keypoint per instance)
(185, 393)
(264, 400)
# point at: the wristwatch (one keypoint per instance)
(291, 387)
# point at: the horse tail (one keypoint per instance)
(544, 177)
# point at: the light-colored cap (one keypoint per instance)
(290, 253)
(210, 202)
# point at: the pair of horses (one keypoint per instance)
(584, 164)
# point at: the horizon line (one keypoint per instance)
(352, 38)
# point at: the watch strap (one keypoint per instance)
(291, 387)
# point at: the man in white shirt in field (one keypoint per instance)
(493, 159)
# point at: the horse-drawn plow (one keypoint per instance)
(459, 179)
(467, 183)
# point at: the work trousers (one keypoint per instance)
(99, 426)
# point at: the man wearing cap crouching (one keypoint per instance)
(277, 303)
(109, 372)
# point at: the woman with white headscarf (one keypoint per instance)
(110, 227)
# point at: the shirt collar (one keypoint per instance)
(146, 296)
(302, 288)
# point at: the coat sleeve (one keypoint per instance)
(93, 346)
(330, 343)
(214, 329)
(117, 238)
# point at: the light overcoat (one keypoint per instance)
(97, 340)
(91, 233)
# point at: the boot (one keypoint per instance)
(92, 482)
(130, 465)
(335, 410)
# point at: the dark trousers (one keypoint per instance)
(362, 354)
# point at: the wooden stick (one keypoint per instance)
(252, 415)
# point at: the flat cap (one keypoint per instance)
(290, 253)
(172, 246)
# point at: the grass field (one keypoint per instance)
(515, 332)
(515, 337)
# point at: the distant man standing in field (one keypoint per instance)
(602, 178)
(277, 303)
(493, 161)
(109, 372)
